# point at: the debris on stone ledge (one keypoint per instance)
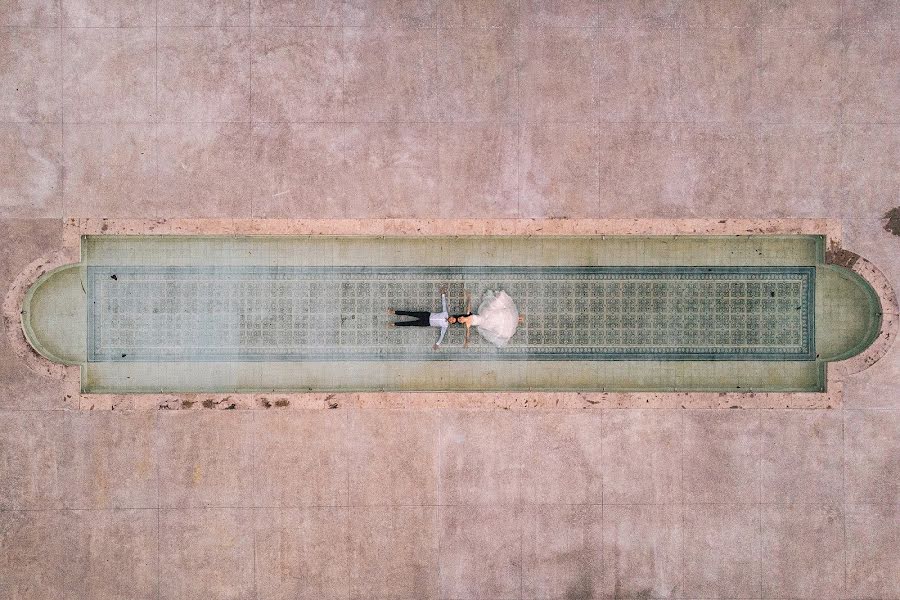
(840, 257)
(893, 221)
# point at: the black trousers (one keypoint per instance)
(420, 318)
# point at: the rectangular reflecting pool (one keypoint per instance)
(290, 313)
(267, 313)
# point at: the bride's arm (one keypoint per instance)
(468, 330)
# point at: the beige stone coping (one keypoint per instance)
(75, 228)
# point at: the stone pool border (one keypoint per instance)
(74, 228)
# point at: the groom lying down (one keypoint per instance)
(497, 318)
(427, 319)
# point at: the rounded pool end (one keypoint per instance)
(53, 315)
(848, 313)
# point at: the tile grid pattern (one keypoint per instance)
(580, 313)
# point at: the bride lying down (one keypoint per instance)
(497, 318)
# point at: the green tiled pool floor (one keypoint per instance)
(228, 314)
(141, 313)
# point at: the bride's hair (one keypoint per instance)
(457, 317)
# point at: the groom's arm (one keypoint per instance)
(444, 305)
(441, 339)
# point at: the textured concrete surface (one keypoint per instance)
(471, 108)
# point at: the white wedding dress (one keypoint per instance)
(497, 318)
